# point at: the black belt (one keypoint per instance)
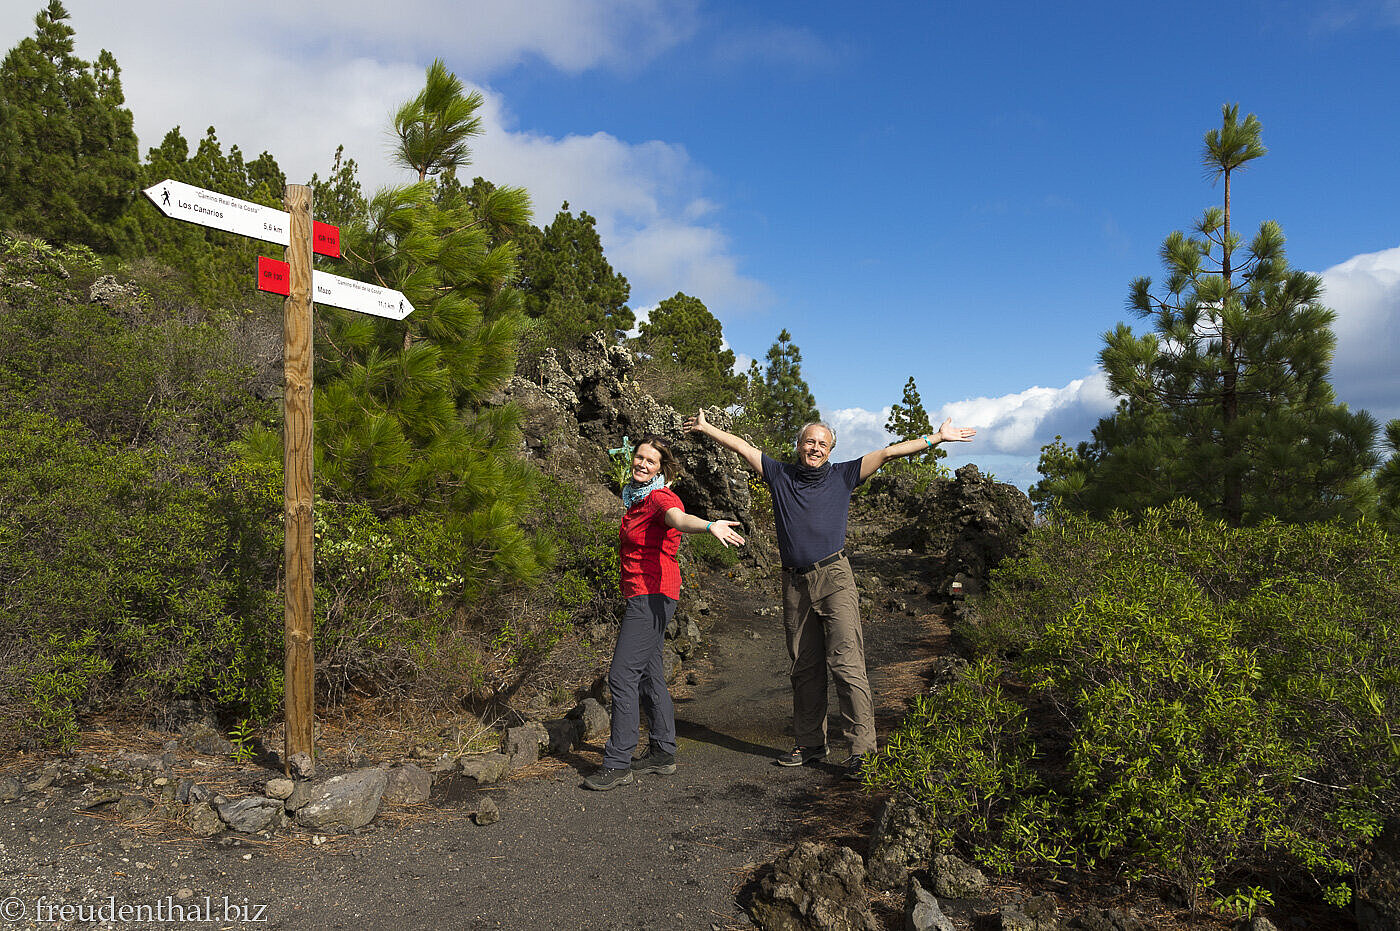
(819, 564)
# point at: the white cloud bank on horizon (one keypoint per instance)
(1013, 424)
(315, 83)
(1010, 429)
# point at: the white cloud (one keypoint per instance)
(487, 36)
(1010, 429)
(641, 315)
(661, 255)
(1357, 14)
(1365, 293)
(645, 198)
(789, 46)
(1013, 424)
(1020, 423)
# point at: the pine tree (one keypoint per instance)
(402, 414)
(68, 156)
(497, 210)
(1227, 401)
(570, 288)
(686, 342)
(435, 128)
(1063, 477)
(340, 199)
(908, 419)
(777, 402)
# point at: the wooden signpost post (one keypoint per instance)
(301, 285)
(298, 444)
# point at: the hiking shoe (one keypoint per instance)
(656, 761)
(802, 755)
(605, 779)
(854, 766)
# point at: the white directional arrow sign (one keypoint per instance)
(358, 295)
(210, 208)
(182, 201)
(276, 277)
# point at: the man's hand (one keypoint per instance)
(746, 450)
(947, 433)
(696, 424)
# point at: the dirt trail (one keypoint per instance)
(670, 852)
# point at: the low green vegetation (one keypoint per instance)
(706, 550)
(141, 545)
(1172, 700)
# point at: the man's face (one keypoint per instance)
(814, 446)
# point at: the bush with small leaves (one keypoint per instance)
(1211, 703)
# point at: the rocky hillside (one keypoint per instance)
(581, 403)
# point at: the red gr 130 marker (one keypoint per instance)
(274, 277)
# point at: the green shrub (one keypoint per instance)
(56, 682)
(963, 753)
(139, 556)
(1214, 704)
(387, 595)
(146, 373)
(585, 560)
(1174, 762)
(171, 576)
(923, 470)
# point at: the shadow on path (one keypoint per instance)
(701, 733)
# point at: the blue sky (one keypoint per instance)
(957, 192)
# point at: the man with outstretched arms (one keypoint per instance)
(821, 608)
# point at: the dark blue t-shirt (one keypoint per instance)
(811, 510)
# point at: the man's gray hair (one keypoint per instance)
(797, 441)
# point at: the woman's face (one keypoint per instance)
(646, 462)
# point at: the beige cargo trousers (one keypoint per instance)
(821, 615)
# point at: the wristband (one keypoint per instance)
(928, 442)
(708, 526)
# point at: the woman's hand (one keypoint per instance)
(721, 530)
(724, 532)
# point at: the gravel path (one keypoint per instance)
(669, 852)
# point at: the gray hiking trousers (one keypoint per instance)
(821, 615)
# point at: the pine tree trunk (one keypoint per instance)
(1233, 497)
